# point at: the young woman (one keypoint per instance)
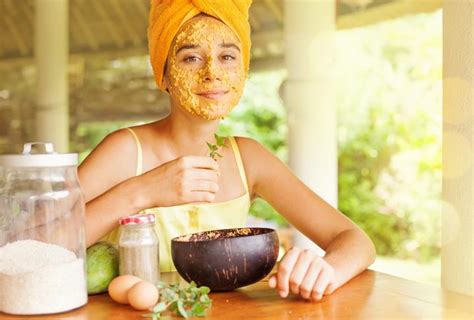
(199, 51)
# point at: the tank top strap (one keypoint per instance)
(239, 161)
(139, 168)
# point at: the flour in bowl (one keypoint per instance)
(40, 278)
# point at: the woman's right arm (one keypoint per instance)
(106, 181)
(112, 190)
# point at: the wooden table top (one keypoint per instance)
(371, 295)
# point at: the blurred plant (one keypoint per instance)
(389, 118)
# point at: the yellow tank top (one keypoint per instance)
(188, 218)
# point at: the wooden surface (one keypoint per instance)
(371, 295)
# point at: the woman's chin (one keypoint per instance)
(213, 115)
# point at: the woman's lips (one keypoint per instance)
(213, 94)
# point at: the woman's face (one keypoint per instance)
(205, 73)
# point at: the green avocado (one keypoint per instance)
(102, 266)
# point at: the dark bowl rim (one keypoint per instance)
(268, 230)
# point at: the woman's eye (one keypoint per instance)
(228, 57)
(191, 59)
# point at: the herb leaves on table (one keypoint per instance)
(191, 301)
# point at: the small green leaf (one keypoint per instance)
(181, 309)
(160, 307)
(220, 141)
(204, 290)
(174, 286)
(198, 310)
(174, 305)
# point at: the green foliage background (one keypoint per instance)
(390, 120)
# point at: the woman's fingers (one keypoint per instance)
(184, 180)
(204, 186)
(202, 174)
(304, 273)
(321, 284)
(309, 279)
(300, 268)
(198, 162)
(272, 282)
(199, 196)
(330, 288)
(284, 271)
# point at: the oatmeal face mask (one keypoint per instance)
(205, 74)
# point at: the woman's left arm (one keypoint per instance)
(349, 250)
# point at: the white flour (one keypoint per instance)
(40, 278)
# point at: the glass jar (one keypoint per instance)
(42, 232)
(139, 247)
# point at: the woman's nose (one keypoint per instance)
(211, 71)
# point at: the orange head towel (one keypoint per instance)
(167, 16)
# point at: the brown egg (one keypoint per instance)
(143, 295)
(119, 287)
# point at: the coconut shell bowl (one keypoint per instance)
(225, 259)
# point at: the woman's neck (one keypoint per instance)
(189, 133)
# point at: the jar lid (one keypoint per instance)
(47, 158)
(138, 219)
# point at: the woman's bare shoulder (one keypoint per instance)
(147, 128)
(109, 163)
(247, 144)
(252, 151)
(113, 160)
(149, 132)
(256, 159)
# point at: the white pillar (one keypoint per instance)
(309, 33)
(457, 271)
(51, 53)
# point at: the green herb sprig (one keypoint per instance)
(214, 148)
(191, 301)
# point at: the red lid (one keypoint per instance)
(138, 219)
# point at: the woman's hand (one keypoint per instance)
(305, 273)
(187, 179)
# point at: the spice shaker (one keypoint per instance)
(139, 247)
